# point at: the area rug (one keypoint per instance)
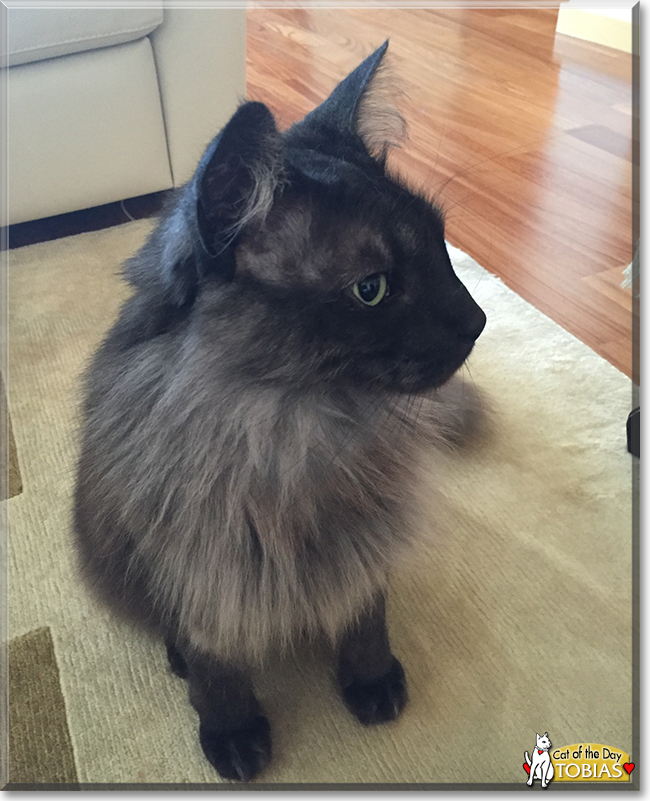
(515, 619)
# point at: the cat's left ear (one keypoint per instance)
(234, 185)
(236, 179)
(359, 108)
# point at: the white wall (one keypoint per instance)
(600, 24)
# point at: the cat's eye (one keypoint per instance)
(372, 289)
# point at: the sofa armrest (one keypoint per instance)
(200, 59)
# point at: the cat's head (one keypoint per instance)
(330, 268)
(543, 742)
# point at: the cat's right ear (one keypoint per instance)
(361, 107)
(234, 184)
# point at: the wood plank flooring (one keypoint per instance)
(523, 137)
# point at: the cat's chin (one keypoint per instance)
(423, 385)
(405, 375)
(413, 377)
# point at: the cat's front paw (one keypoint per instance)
(379, 700)
(177, 663)
(238, 754)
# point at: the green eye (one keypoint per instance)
(372, 289)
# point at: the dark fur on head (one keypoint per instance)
(251, 428)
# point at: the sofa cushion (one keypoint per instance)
(34, 34)
(84, 130)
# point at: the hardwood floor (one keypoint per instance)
(523, 137)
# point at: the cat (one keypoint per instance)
(253, 421)
(540, 767)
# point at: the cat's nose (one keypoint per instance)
(471, 325)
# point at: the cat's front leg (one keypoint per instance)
(234, 733)
(371, 679)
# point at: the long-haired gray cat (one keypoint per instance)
(251, 432)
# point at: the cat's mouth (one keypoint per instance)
(415, 374)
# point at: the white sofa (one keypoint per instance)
(110, 103)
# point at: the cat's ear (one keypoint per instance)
(236, 179)
(233, 185)
(361, 107)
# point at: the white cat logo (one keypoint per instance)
(541, 766)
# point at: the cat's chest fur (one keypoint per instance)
(278, 512)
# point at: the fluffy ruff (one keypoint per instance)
(246, 517)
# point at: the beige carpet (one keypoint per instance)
(515, 619)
